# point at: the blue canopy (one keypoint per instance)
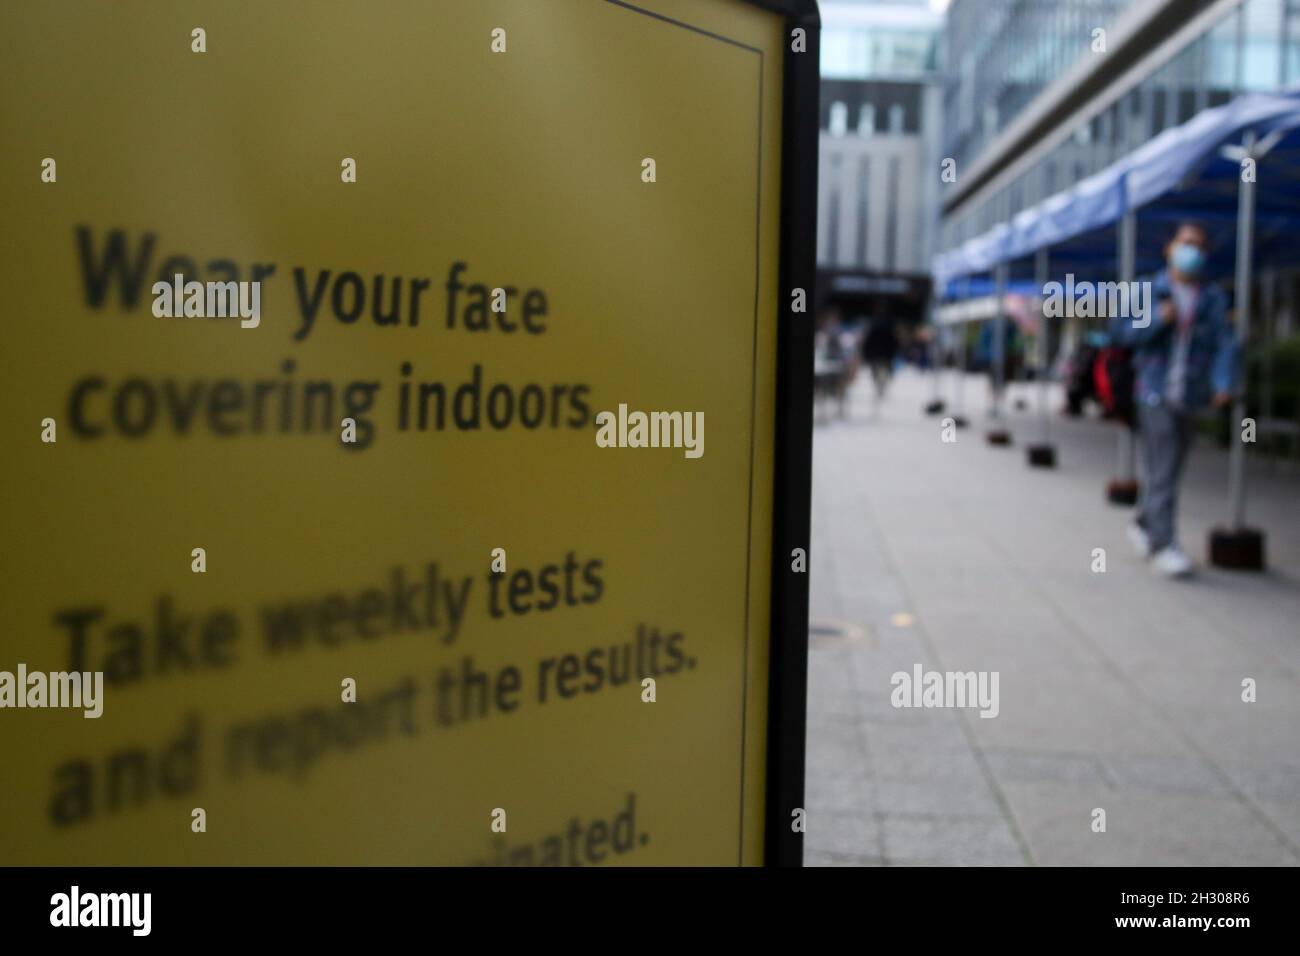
(978, 287)
(1180, 174)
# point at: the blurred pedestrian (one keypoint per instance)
(835, 362)
(1185, 359)
(879, 350)
(986, 357)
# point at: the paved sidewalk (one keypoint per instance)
(1118, 690)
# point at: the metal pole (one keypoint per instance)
(931, 348)
(959, 387)
(959, 377)
(1239, 51)
(1127, 245)
(1245, 249)
(1268, 283)
(1127, 266)
(998, 355)
(1283, 42)
(1040, 279)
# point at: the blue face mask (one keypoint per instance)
(1187, 258)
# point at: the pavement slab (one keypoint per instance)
(1117, 689)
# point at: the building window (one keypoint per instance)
(866, 119)
(891, 215)
(839, 119)
(864, 184)
(896, 118)
(833, 218)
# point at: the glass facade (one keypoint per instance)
(859, 52)
(1253, 47)
(878, 40)
(1000, 54)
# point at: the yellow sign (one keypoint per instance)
(376, 567)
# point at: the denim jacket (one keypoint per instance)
(1211, 351)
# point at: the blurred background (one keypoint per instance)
(976, 465)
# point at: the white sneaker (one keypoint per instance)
(1172, 562)
(1140, 540)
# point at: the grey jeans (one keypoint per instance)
(1165, 434)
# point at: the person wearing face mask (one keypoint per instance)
(1185, 360)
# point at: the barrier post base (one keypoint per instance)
(1041, 456)
(1122, 491)
(935, 407)
(998, 436)
(960, 421)
(1241, 549)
